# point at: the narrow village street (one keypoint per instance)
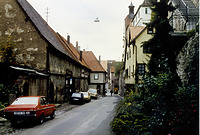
(99, 67)
(89, 119)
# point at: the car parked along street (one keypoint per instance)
(93, 93)
(77, 98)
(86, 96)
(29, 108)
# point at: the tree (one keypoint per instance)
(163, 57)
(7, 46)
(118, 68)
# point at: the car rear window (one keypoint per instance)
(76, 95)
(25, 100)
(92, 90)
(85, 93)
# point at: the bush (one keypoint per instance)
(1, 106)
(129, 118)
(161, 107)
(4, 94)
(184, 119)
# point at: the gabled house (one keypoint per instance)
(135, 56)
(46, 64)
(97, 79)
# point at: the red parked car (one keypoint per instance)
(29, 107)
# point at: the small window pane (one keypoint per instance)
(141, 68)
(96, 76)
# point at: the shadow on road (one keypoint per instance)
(28, 124)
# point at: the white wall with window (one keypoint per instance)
(129, 65)
(142, 16)
(97, 77)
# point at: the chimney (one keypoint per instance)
(81, 55)
(77, 47)
(68, 39)
(100, 59)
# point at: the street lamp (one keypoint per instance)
(97, 20)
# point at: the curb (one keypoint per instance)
(57, 105)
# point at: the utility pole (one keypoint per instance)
(47, 14)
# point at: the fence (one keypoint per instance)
(183, 23)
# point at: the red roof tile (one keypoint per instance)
(92, 61)
(135, 31)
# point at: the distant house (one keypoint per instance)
(46, 63)
(98, 74)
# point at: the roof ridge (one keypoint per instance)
(91, 60)
(41, 25)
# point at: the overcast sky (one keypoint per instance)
(76, 18)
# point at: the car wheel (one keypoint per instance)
(41, 119)
(13, 122)
(52, 116)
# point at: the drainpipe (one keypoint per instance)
(136, 72)
(47, 71)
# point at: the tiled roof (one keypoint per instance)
(146, 3)
(127, 20)
(104, 64)
(135, 31)
(72, 50)
(41, 25)
(92, 61)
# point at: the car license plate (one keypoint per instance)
(19, 113)
(76, 99)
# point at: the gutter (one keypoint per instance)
(29, 70)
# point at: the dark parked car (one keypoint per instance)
(28, 108)
(77, 98)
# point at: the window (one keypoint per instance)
(147, 49)
(43, 101)
(25, 100)
(141, 68)
(139, 14)
(96, 76)
(126, 73)
(150, 30)
(146, 10)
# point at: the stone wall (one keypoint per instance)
(31, 51)
(188, 61)
(29, 44)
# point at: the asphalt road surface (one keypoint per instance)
(89, 119)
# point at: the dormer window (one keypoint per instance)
(150, 30)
